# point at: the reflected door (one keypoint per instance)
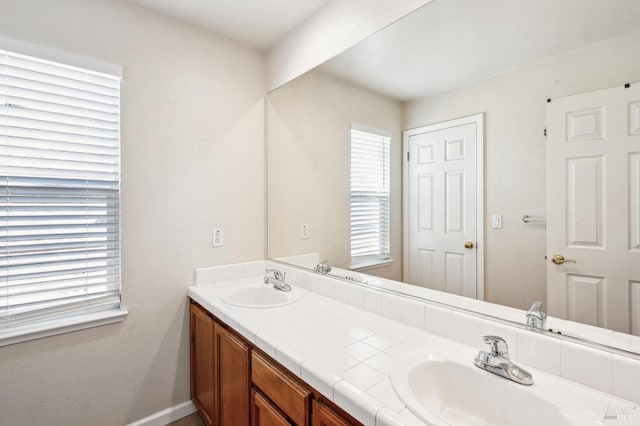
(443, 216)
(593, 208)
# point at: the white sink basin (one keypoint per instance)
(439, 390)
(259, 295)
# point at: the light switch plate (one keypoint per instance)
(496, 221)
(304, 231)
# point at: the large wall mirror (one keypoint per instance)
(496, 67)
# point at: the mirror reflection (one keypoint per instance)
(500, 142)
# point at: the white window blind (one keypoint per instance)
(370, 197)
(59, 191)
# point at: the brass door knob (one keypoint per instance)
(468, 245)
(559, 259)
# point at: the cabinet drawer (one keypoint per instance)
(325, 416)
(263, 413)
(292, 398)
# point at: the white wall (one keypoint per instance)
(514, 107)
(332, 30)
(192, 159)
(308, 133)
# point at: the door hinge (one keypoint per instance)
(408, 156)
(545, 132)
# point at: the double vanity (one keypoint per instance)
(303, 348)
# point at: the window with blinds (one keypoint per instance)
(59, 191)
(370, 196)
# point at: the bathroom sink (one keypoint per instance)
(259, 295)
(439, 390)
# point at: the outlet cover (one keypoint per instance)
(217, 237)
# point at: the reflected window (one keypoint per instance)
(370, 196)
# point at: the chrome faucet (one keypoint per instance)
(497, 361)
(277, 278)
(323, 267)
(535, 316)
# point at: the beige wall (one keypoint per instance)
(514, 107)
(308, 133)
(192, 159)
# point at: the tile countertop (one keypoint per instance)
(346, 353)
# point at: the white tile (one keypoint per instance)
(437, 320)
(300, 338)
(252, 269)
(350, 329)
(314, 283)
(241, 328)
(384, 393)
(203, 276)
(322, 373)
(324, 344)
(362, 376)
(356, 402)
(539, 351)
(214, 274)
(235, 271)
(340, 291)
(410, 418)
(355, 296)
(289, 358)
(509, 334)
(400, 332)
(387, 417)
(626, 378)
(267, 343)
(466, 329)
(379, 341)
(381, 362)
(361, 351)
(413, 313)
(392, 307)
(373, 301)
(587, 366)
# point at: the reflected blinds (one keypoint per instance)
(370, 197)
(59, 190)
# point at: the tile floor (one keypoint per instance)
(190, 420)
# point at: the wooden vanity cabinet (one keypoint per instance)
(202, 363)
(325, 416)
(232, 378)
(220, 379)
(233, 383)
(264, 413)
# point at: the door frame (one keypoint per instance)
(478, 119)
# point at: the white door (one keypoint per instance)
(443, 206)
(593, 208)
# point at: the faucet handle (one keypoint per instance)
(498, 345)
(278, 275)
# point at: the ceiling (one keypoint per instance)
(255, 23)
(450, 43)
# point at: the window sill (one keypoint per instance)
(60, 326)
(372, 265)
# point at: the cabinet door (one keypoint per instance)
(325, 416)
(202, 363)
(264, 413)
(232, 379)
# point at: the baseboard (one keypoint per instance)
(166, 416)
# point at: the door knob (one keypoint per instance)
(559, 259)
(468, 245)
